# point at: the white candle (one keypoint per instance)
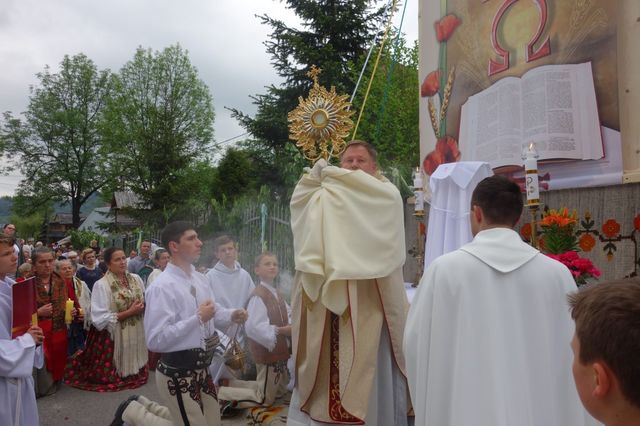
(418, 190)
(531, 174)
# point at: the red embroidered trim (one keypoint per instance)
(336, 410)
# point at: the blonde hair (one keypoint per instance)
(262, 256)
(86, 251)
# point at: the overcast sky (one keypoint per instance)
(224, 39)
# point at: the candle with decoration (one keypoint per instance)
(418, 190)
(532, 187)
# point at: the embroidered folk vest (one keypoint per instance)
(277, 313)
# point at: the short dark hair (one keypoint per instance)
(173, 232)
(500, 200)
(370, 149)
(35, 254)
(109, 252)
(607, 317)
(222, 240)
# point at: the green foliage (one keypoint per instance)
(29, 226)
(82, 239)
(57, 145)
(334, 34)
(390, 118)
(158, 123)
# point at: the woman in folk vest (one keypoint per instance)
(268, 332)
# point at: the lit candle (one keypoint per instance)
(530, 157)
(418, 190)
(68, 307)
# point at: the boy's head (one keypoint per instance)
(225, 250)
(8, 258)
(266, 267)
(606, 346)
(181, 241)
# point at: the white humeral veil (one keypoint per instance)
(349, 250)
(451, 186)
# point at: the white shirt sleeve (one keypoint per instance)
(101, 314)
(165, 330)
(258, 327)
(18, 356)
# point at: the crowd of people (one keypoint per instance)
(496, 335)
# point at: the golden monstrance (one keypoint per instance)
(320, 123)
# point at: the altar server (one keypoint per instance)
(488, 332)
(18, 356)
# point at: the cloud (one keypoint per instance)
(224, 39)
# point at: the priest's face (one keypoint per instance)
(357, 157)
(189, 247)
(8, 260)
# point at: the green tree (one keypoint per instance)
(334, 34)
(158, 123)
(390, 117)
(58, 144)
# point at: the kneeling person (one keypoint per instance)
(267, 330)
(179, 324)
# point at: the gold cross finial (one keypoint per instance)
(313, 73)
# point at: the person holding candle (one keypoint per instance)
(18, 356)
(79, 302)
(487, 335)
(115, 355)
(51, 295)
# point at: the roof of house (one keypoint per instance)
(124, 199)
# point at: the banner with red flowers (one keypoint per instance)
(467, 46)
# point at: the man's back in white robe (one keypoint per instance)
(487, 338)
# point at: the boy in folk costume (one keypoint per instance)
(179, 323)
(17, 356)
(268, 330)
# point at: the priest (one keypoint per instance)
(18, 356)
(348, 303)
(488, 332)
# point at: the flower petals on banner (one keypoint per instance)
(431, 84)
(446, 26)
(446, 152)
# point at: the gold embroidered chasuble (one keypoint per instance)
(349, 246)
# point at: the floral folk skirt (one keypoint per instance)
(93, 368)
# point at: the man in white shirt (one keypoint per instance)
(487, 335)
(180, 323)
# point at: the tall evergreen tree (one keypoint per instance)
(334, 34)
